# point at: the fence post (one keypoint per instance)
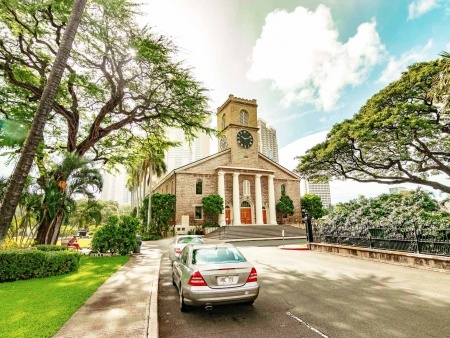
(309, 233)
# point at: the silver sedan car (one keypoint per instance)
(210, 274)
(179, 242)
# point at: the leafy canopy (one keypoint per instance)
(122, 83)
(401, 135)
(312, 204)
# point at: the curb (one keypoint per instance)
(299, 248)
(153, 325)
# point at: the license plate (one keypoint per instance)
(227, 280)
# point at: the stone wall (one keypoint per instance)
(429, 262)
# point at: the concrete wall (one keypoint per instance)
(436, 263)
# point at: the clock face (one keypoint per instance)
(223, 143)
(244, 138)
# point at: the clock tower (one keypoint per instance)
(237, 122)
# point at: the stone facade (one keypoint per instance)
(236, 164)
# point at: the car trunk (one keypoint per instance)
(225, 275)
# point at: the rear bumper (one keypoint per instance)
(198, 296)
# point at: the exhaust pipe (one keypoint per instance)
(208, 307)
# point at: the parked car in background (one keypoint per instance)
(211, 274)
(179, 242)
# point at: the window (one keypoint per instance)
(199, 187)
(283, 190)
(223, 122)
(243, 118)
(246, 188)
(198, 213)
(245, 204)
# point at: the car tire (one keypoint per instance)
(249, 303)
(173, 279)
(183, 306)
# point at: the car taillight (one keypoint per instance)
(197, 279)
(253, 277)
(177, 250)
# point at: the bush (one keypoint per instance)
(117, 236)
(27, 264)
(47, 247)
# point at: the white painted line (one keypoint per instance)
(306, 324)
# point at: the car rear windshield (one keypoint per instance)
(216, 255)
(186, 240)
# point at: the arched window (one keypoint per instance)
(199, 187)
(245, 204)
(283, 190)
(243, 118)
(223, 122)
(246, 188)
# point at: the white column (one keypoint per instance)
(221, 193)
(236, 202)
(272, 211)
(258, 200)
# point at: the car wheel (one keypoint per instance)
(249, 303)
(183, 306)
(173, 279)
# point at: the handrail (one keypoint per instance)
(224, 228)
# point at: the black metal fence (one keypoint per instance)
(416, 245)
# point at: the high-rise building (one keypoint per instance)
(267, 140)
(114, 187)
(320, 189)
(396, 190)
(185, 153)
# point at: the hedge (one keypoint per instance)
(49, 247)
(26, 264)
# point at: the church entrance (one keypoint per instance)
(227, 215)
(246, 213)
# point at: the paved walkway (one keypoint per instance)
(125, 305)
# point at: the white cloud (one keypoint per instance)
(301, 54)
(299, 147)
(395, 66)
(417, 8)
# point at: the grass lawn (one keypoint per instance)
(39, 307)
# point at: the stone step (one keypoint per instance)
(256, 231)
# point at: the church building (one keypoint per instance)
(250, 183)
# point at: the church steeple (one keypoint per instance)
(237, 120)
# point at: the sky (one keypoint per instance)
(309, 64)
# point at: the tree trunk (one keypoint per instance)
(17, 180)
(57, 228)
(149, 214)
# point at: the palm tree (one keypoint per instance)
(73, 177)
(22, 169)
(154, 163)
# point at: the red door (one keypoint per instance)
(228, 216)
(264, 216)
(246, 216)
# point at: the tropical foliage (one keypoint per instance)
(122, 85)
(312, 204)
(163, 212)
(212, 207)
(117, 236)
(285, 206)
(402, 134)
(401, 216)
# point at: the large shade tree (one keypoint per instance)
(48, 91)
(401, 135)
(121, 82)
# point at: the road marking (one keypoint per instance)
(306, 324)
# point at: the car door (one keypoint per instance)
(179, 266)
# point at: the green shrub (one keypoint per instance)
(48, 247)
(199, 231)
(117, 236)
(26, 264)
